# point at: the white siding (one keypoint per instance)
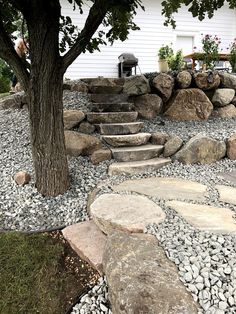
(146, 42)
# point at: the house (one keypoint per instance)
(144, 44)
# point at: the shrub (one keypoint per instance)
(5, 77)
(176, 62)
(165, 52)
(232, 56)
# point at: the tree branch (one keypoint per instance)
(8, 53)
(95, 17)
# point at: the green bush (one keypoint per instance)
(5, 77)
(176, 62)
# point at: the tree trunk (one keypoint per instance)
(45, 94)
(47, 134)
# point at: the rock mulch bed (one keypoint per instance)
(206, 261)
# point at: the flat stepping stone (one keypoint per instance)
(111, 117)
(142, 279)
(130, 213)
(109, 98)
(127, 140)
(165, 188)
(229, 176)
(119, 128)
(87, 240)
(207, 218)
(227, 194)
(132, 167)
(136, 153)
(112, 107)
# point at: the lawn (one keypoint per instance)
(39, 274)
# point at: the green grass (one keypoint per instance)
(4, 94)
(32, 278)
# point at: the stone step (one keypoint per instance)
(119, 128)
(111, 117)
(143, 152)
(132, 167)
(127, 140)
(112, 107)
(109, 98)
(105, 89)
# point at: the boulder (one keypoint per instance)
(164, 85)
(130, 213)
(231, 147)
(159, 138)
(141, 279)
(136, 85)
(172, 145)
(81, 238)
(184, 79)
(148, 106)
(22, 177)
(201, 149)
(81, 144)
(225, 112)
(72, 118)
(228, 80)
(15, 101)
(86, 127)
(223, 97)
(100, 155)
(189, 104)
(207, 80)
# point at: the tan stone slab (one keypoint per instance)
(141, 279)
(204, 217)
(87, 240)
(130, 213)
(227, 194)
(165, 188)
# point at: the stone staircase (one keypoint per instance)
(116, 120)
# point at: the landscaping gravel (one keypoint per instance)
(95, 301)
(206, 262)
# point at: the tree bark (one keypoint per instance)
(46, 105)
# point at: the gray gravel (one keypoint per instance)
(206, 262)
(216, 128)
(95, 301)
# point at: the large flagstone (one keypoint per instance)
(165, 188)
(130, 213)
(204, 217)
(227, 194)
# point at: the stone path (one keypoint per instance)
(165, 188)
(144, 272)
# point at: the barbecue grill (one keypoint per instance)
(127, 61)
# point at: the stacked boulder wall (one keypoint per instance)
(189, 104)
(141, 279)
(148, 106)
(163, 84)
(201, 149)
(207, 80)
